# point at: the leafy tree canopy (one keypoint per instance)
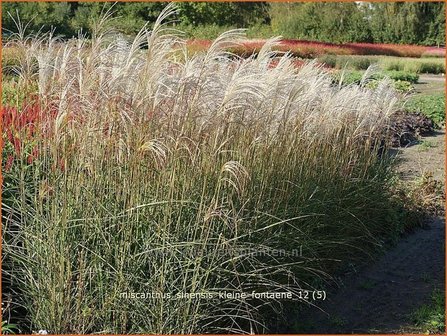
(388, 22)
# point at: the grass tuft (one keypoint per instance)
(144, 169)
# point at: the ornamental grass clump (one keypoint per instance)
(163, 173)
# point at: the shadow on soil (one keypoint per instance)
(381, 297)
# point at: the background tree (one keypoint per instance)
(239, 14)
(408, 22)
(330, 22)
(389, 22)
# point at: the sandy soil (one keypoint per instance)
(430, 84)
(426, 157)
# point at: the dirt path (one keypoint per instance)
(430, 84)
(426, 157)
(434, 78)
(381, 297)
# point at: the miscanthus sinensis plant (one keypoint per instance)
(164, 172)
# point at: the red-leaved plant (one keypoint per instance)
(21, 126)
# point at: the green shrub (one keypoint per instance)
(328, 60)
(402, 79)
(354, 62)
(347, 77)
(432, 68)
(393, 66)
(432, 105)
(422, 65)
(403, 86)
(361, 63)
(401, 76)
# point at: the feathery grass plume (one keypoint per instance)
(201, 174)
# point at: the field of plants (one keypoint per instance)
(312, 49)
(428, 65)
(148, 189)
